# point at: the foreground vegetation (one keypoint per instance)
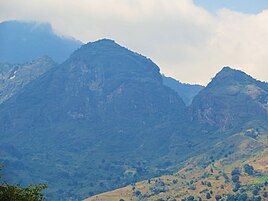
(10, 192)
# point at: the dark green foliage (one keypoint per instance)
(18, 193)
(256, 190)
(159, 187)
(217, 197)
(236, 186)
(226, 178)
(249, 169)
(208, 196)
(235, 171)
(137, 193)
(257, 198)
(209, 184)
(192, 187)
(174, 181)
(160, 199)
(190, 198)
(235, 178)
(243, 197)
(237, 197)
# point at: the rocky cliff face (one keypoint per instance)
(104, 109)
(13, 77)
(232, 99)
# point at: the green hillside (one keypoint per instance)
(239, 174)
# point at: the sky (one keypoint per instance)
(245, 6)
(190, 40)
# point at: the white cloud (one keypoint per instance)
(186, 41)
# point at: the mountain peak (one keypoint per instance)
(229, 71)
(231, 99)
(231, 76)
(105, 41)
(107, 57)
(102, 43)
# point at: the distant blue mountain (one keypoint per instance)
(25, 41)
(13, 77)
(186, 91)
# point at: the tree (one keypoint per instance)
(235, 171)
(209, 184)
(208, 196)
(237, 197)
(17, 193)
(235, 178)
(217, 197)
(137, 193)
(256, 190)
(190, 198)
(236, 187)
(249, 169)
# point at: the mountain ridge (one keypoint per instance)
(105, 115)
(186, 91)
(97, 100)
(13, 77)
(232, 94)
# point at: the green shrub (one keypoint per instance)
(17, 193)
(249, 169)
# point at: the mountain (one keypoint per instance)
(13, 77)
(232, 100)
(105, 118)
(98, 121)
(231, 163)
(186, 91)
(25, 41)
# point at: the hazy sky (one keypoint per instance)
(189, 40)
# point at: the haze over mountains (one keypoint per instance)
(106, 117)
(186, 91)
(25, 41)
